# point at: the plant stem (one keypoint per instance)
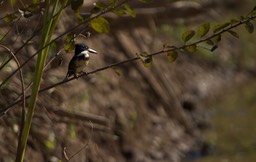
(48, 29)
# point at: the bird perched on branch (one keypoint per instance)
(79, 60)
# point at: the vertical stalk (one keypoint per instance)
(49, 25)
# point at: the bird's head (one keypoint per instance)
(81, 49)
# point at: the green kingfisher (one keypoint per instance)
(79, 60)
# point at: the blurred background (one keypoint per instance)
(200, 108)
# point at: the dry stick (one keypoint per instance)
(31, 83)
(24, 9)
(9, 30)
(14, 55)
(2, 112)
(84, 147)
(22, 87)
(21, 75)
(21, 47)
(18, 50)
(20, 67)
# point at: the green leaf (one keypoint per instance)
(146, 59)
(249, 27)
(119, 11)
(117, 71)
(95, 10)
(130, 10)
(79, 16)
(35, 7)
(69, 43)
(210, 42)
(76, 4)
(100, 5)
(214, 48)
(219, 27)
(186, 36)
(203, 29)
(242, 18)
(133, 119)
(253, 13)
(233, 33)
(145, 1)
(172, 55)
(217, 38)
(13, 2)
(50, 143)
(2, 37)
(73, 133)
(191, 48)
(113, 2)
(233, 21)
(36, 1)
(9, 18)
(254, 8)
(100, 24)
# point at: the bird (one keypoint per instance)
(79, 61)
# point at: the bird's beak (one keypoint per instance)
(92, 51)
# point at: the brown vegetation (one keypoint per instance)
(128, 113)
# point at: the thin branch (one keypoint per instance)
(83, 148)
(9, 30)
(81, 116)
(21, 47)
(22, 87)
(64, 33)
(42, 4)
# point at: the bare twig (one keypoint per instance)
(81, 116)
(42, 4)
(9, 30)
(22, 87)
(23, 45)
(64, 33)
(83, 148)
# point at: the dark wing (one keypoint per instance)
(76, 65)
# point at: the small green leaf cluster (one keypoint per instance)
(207, 34)
(101, 24)
(145, 1)
(25, 12)
(211, 39)
(146, 59)
(69, 43)
(76, 5)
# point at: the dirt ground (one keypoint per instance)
(128, 113)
